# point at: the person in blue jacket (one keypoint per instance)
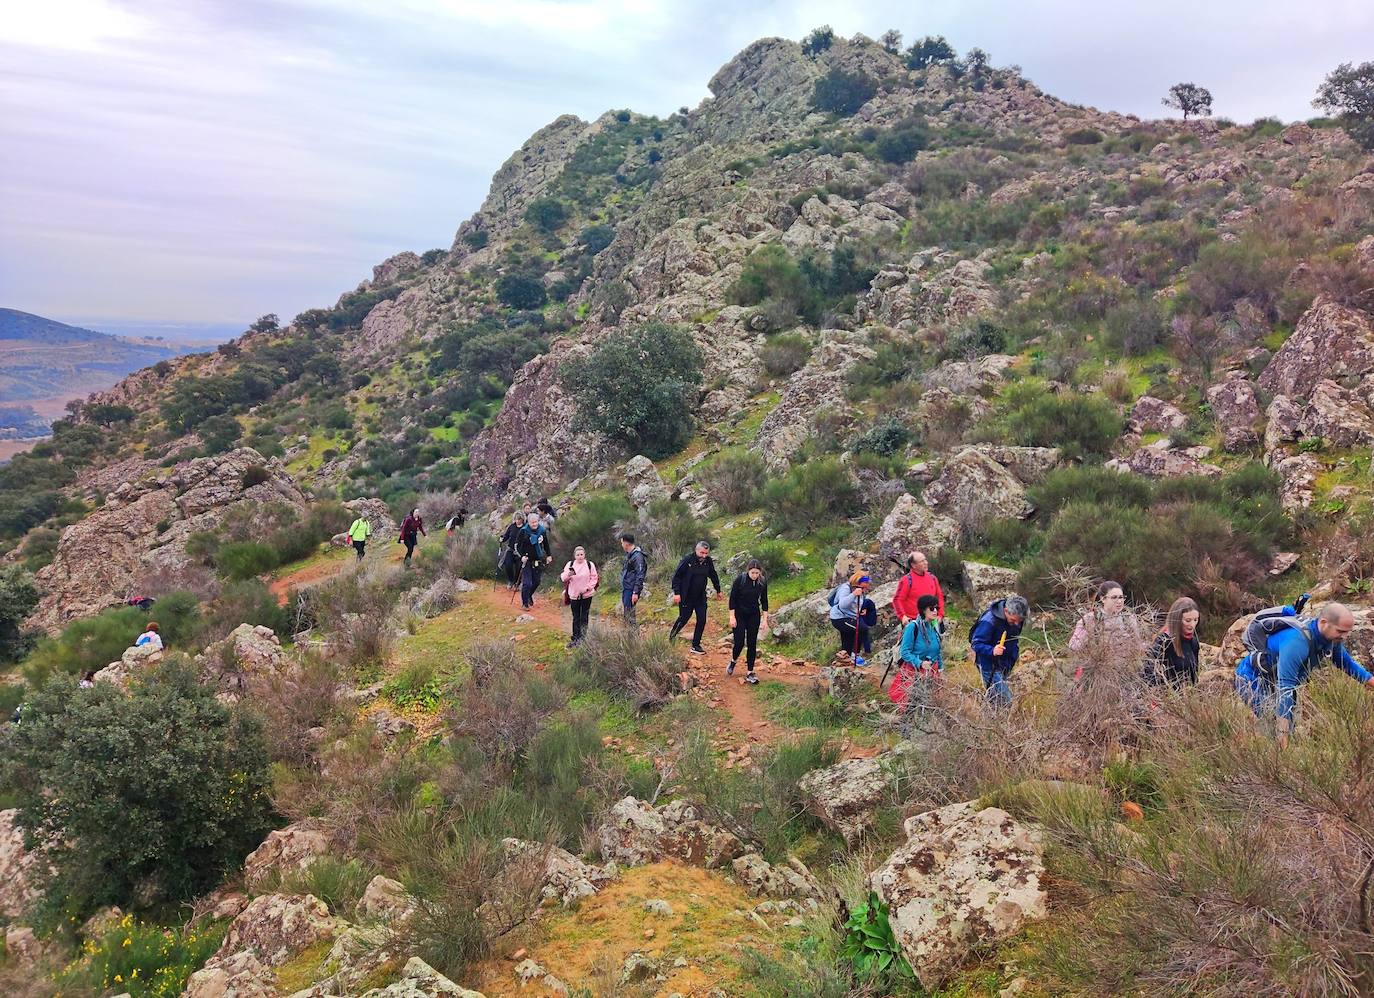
(996, 644)
(921, 638)
(1293, 653)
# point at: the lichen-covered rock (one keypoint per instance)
(969, 377)
(847, 795)
(913, 526)
(1236, 410)
(1160, 460)
(972, 487)
(643, 482)
(134, 660)
(420, 980)
(965, 878)
(1331, 341)
(378, 514)
(776, 880)
(143, 526)
(268, 933)
(1337, 416)
(1297, 481)
(1152, 415)
(985, 583)
(818, 385)
(554, 873)
(286, 850)
(248, 655)
(1030, 465)
(635, 833)
(237, 975)
(386, 899)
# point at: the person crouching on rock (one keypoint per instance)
(532, 547)
(411, 529)
(748, 610)
(580, 580)
(846, 615)
(150, 638)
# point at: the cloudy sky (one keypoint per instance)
(206, 161)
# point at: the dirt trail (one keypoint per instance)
(505, 605)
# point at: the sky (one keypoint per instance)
(197, 163)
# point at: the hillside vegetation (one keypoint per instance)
(866, 299)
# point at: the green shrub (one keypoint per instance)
(547, 214)
(843, 93)
(1253, 267)
(639, 387)
(786, 354)
(339, 883)
(596, 238)
(249, 601)
(771, 275)
(901, 143)
(245, 559)
(84, 645)
(774, 557)
(642, 671)
(885, 438)
(1010, 539)
(594, 523)
(733, 479)
(1134, 327)
(818, 41)
(142, 959)
(1094, 484)
(18, 597)
(1083, 137)
(1080, 425)
(160, 787)
(811, 495)
(523, 291)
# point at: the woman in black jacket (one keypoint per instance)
(1172, 658)
(508, 561)
(748, 609)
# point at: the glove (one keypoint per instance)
(942, 626)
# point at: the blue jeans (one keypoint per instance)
(529, 582)
(995, 679)
(629, 606)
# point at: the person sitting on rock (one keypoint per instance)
(1268, 680)
(151, 638)
(1173, 657)
(846, 615)
(995, 639)
(917, 582)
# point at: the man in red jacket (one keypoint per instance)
(917, 582)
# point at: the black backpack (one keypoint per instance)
(1264, 625)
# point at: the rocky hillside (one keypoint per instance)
(896, 303)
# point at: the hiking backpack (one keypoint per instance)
(1264, 625)
(834, 595)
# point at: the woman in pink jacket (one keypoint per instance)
(580, 580)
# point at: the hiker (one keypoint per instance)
(921, 655)
(995, 639)
(87, 680)
(532, 545)
(748, 609)
(547, 513)
(846, 608)
(689, 592)
(1109, 628)
(632, 579)
(507, 561)
(456, 521)
(580, 580)
(150, 638)
(917, 582)
(1172, 658)
(1283, 649)
(358, 532)
(411, 529)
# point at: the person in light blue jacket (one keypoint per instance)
(1269, 682)
(846, 607)
(921, 638)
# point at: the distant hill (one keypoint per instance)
(45, 363)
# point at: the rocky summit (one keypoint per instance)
(899, 336)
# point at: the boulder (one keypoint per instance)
(20, 868)
(1236, 411)
(847, 795)
(386, 899)
(911, 525)
(1285, 419)
(635, 833)
(965, 878)
(1159, 460)
(420, 980)
(249, 654)
(554, 873)
(1331, 341)
(378, 514)
(1152, 415)
(1337, 416)
(134, 660)
(143, 527)
(1030, 465)
(775, 880)
(819, 384)
(21, 945)
(643, 482)
(268, 933)
(985, 583)
(969, 377)
(848, 561)
(287, 850)
(972, 487)
(1298, 480)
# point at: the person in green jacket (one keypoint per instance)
(358, 533)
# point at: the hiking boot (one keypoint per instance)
(859, 661)
(698, 650)
(751, 679)
(672, 633)
(730, 669)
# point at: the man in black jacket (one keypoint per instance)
(689, 592)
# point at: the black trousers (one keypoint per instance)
(359, 546)
(409, 542)
(746, 635)
(848, 631)
(684, 614)
(512, 564)
(581, 613)
(529, 582)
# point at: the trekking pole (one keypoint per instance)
(885, 672)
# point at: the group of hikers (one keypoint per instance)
(411, 530)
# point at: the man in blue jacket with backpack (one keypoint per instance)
(995, 640)
(1283, 649)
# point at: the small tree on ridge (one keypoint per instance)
(1189, 98)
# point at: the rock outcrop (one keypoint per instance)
(420, 980)
(973, 488)
(635, 833)
(985, 583)
(911, 525)
(965, 878)
(846, 796)
(235, 664)
(20, 868)
(269, 932)
(1331, 341)
(1236, 410)
(643, 482)
(284, 851)
(553, 873)
(144, 524)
